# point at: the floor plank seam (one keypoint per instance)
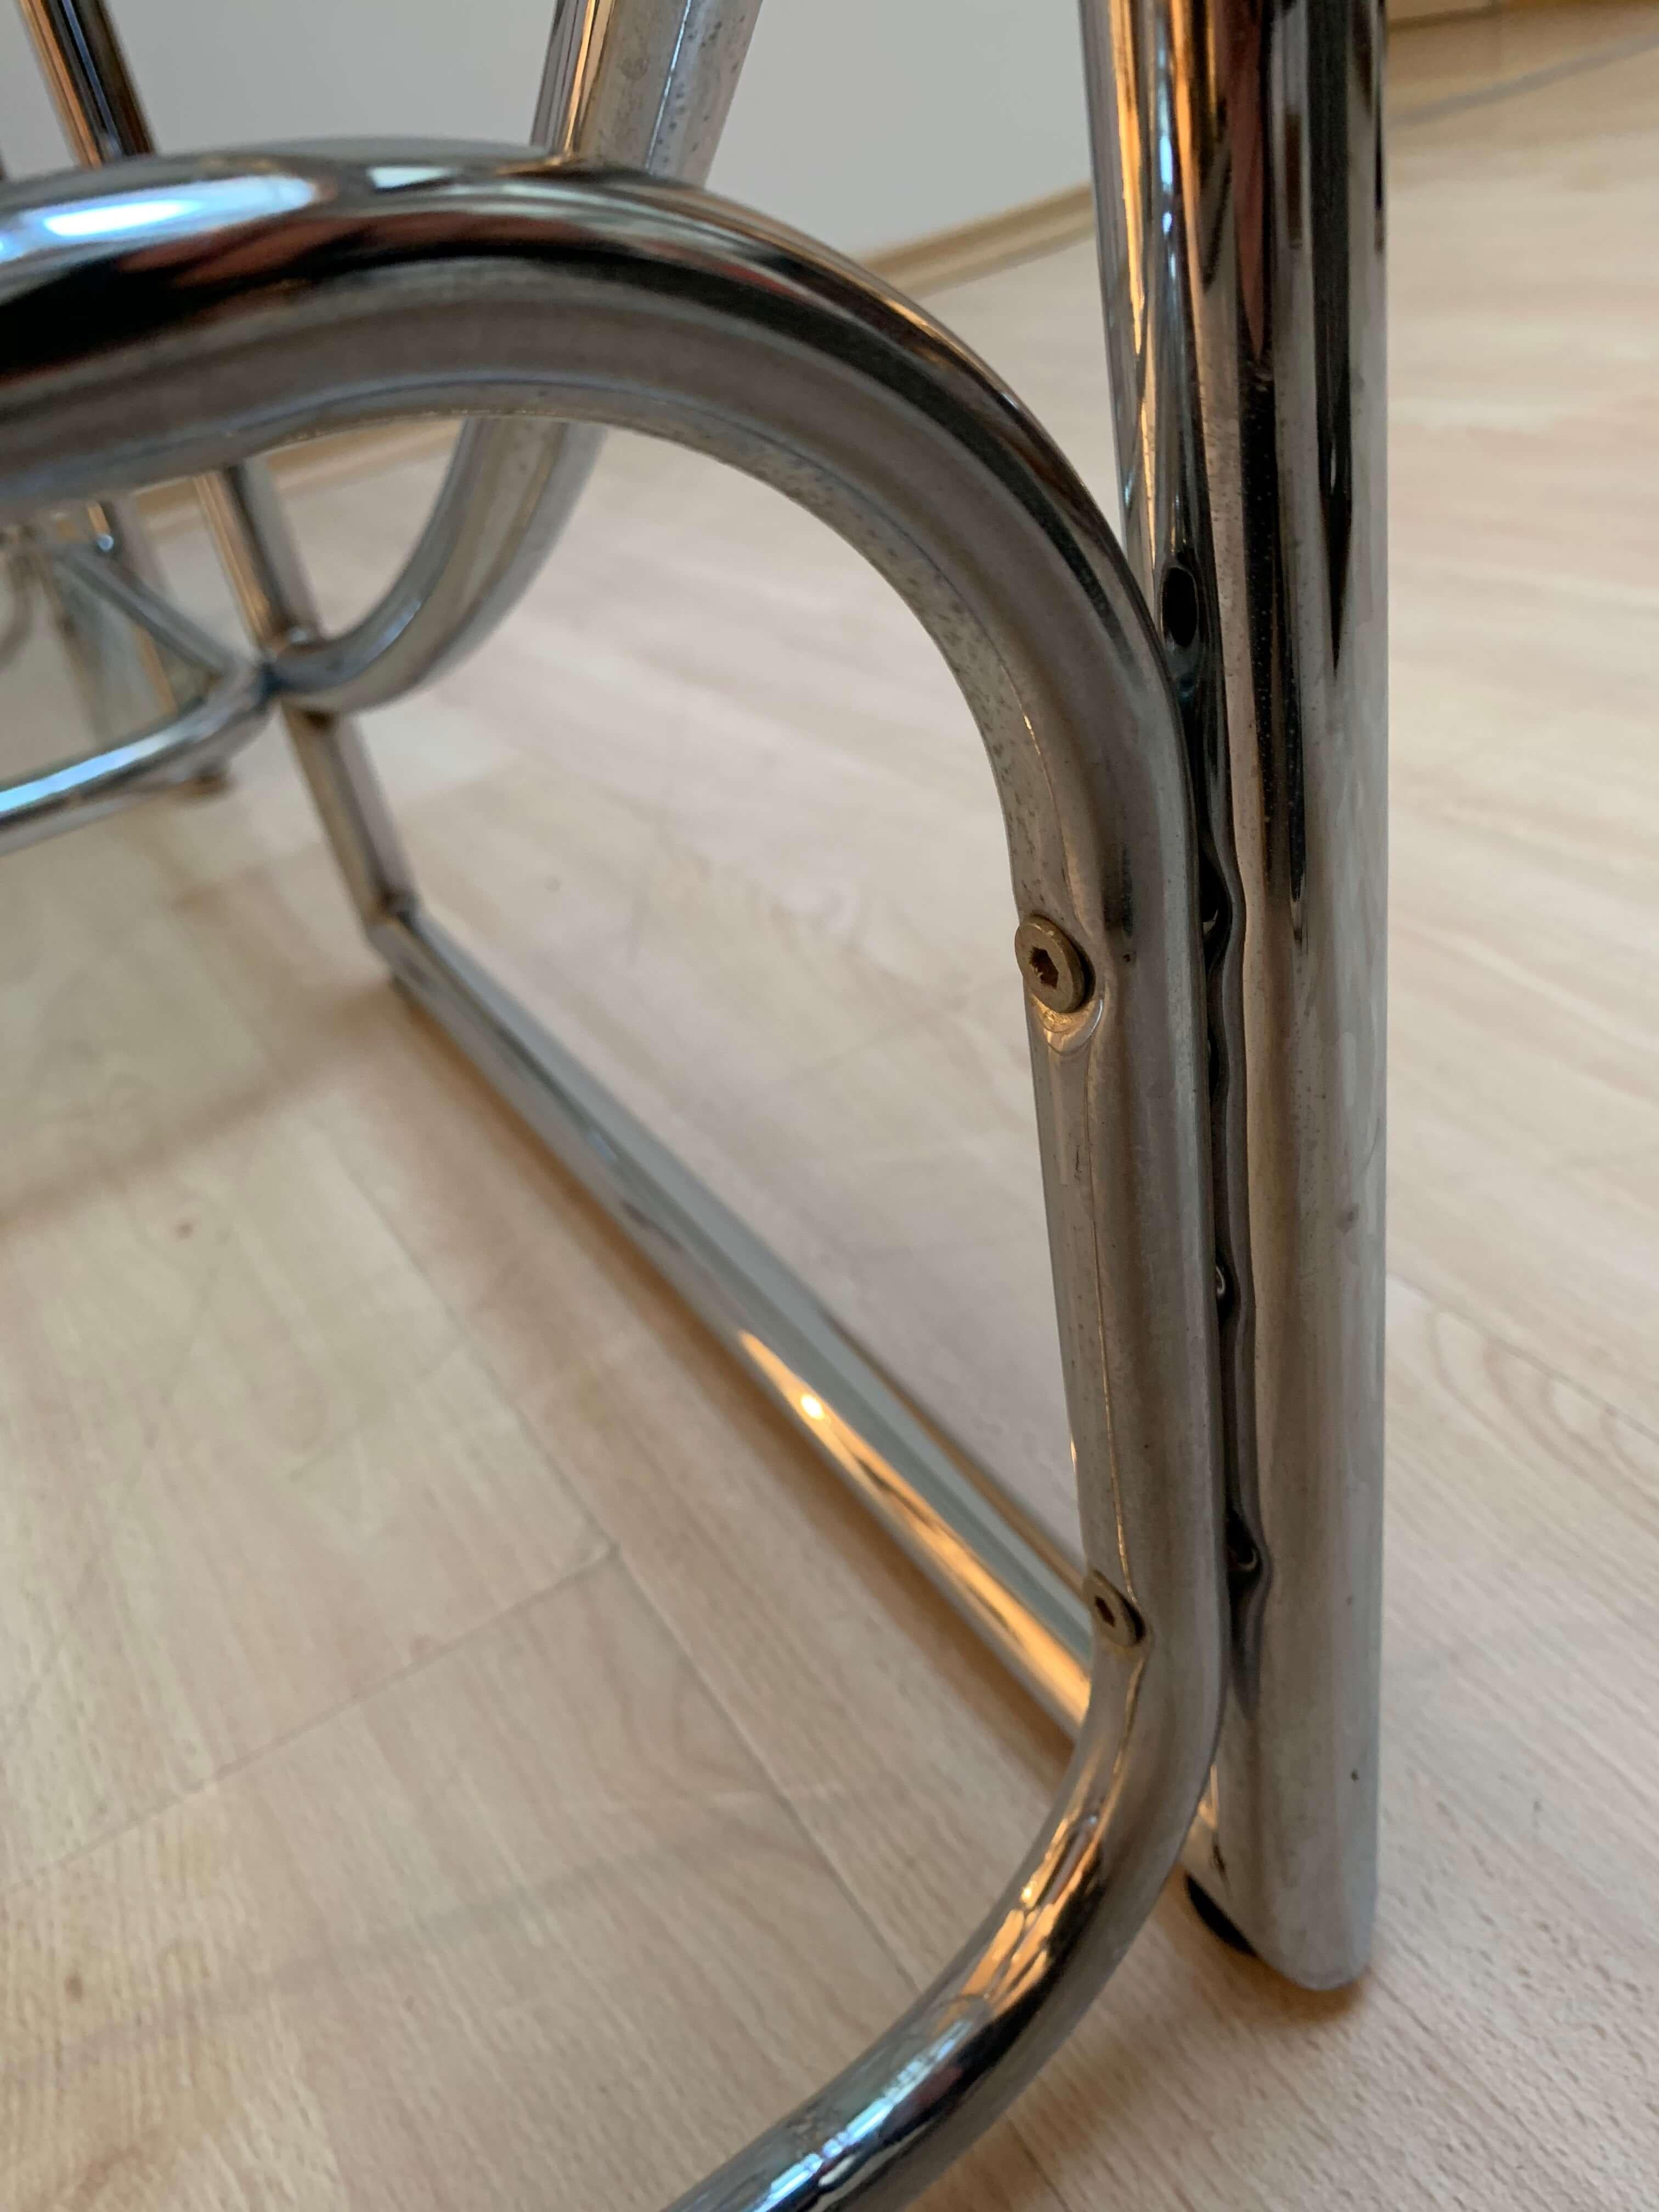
(255, 1757)
(1442, 1305)
(1538, 80)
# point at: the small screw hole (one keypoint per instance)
(1044, 969)
(1213, 904)
(1244, 1556)
(1178, 606)
(1115, 1612)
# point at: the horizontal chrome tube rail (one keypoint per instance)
(198, 739)
(1016, 1587)
(250, 298)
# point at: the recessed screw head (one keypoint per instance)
(1056, 973)
(1120, 1622)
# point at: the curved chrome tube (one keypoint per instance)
(197, 740)
(240, 300)
(888, 2125)
(508, 493)
(635, 84)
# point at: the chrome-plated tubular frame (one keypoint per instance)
(1238, 184)
(653, 308)
(1239, 187)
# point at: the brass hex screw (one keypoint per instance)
(1056, 973)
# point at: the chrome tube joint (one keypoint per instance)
(229, 706)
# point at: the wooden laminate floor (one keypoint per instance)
(455, 1750)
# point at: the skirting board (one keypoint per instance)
(974, 249)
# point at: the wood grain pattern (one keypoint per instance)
(454, 1750)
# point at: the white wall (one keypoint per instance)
(869, 123)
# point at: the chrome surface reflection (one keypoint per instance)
(495, 284)
(1239, 189)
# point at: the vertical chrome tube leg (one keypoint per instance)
(635, 84)
(87, 74)
(1238, 178)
